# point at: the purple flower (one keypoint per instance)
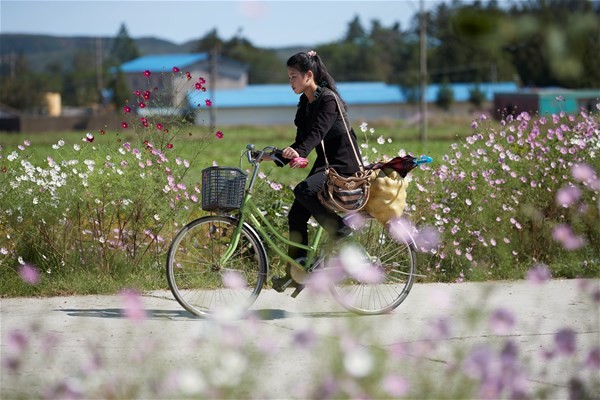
(305, 338)
(428, 238)
(568, 196)
(400, 230)
(132, 304)
(565, 341)
(582, 172)
(539, 274)
(440, 329)
(563, 234)
(593, 359)
(29, 274)
(502, 321)
(17, 342)
(395, 385)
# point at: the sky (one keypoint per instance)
(264, 23)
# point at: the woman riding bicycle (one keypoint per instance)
(317, 119)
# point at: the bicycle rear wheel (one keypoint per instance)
(198, 278)
(373, 273)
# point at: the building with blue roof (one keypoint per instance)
(235, 102)
(230, 74)
(366, 101)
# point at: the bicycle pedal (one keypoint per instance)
(279, 285)
(299, 288)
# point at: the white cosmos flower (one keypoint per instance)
(358, 362)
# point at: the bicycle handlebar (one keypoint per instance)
(255, 156)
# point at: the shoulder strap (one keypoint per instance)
(358, 159)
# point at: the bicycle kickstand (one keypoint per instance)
(296, 292)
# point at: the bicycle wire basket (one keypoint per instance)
(222, 188)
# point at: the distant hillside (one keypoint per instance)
(42, 50)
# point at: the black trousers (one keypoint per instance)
(307, 204)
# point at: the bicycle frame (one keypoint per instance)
(250, 212)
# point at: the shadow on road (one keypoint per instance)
(121, 313)
(153, 314)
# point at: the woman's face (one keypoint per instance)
(298, 80)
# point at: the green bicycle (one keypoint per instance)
(220, 261)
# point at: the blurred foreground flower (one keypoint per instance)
(539, 274)
(29, 274)
(233, 280)
(133, 307)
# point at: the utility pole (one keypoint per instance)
(214, 53)
(99, 72)
(423, 72)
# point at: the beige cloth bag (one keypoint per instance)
(387, 199)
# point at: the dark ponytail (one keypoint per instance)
(310, 61)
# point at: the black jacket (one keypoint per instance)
(320, 120)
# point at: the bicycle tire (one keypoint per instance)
(200, 282)
(374, 272)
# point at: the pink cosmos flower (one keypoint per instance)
(539, 274)
(133, 308)
(124, 125)
(208, 102)
(127, 109)
(568, 196)
(565, 341)
(502, 321)
(159, 126)
(29, 274)
(564, 234)
(593, 359)
(233, 280)
(395, 385)
(176, 70)
(147, 73)
(582, 172)
(219, 134)
(17, 341)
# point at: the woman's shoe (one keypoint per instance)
(282, 283)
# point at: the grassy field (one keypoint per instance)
(109, 226)
(70, 279)
(442, 130)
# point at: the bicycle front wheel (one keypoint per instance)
(373, 272)
(202, 280)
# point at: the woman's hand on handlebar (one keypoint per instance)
(290, 153)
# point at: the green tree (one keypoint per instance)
(554, 42)
(263, 64)
(120, 90)
(356, 33)
(476, 96)
(123, 48)
(80, 83)
(209, 42)
(21, 88)
(445, 96)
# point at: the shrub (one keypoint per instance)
(509, 194)
(445, 97)
(476, 96)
